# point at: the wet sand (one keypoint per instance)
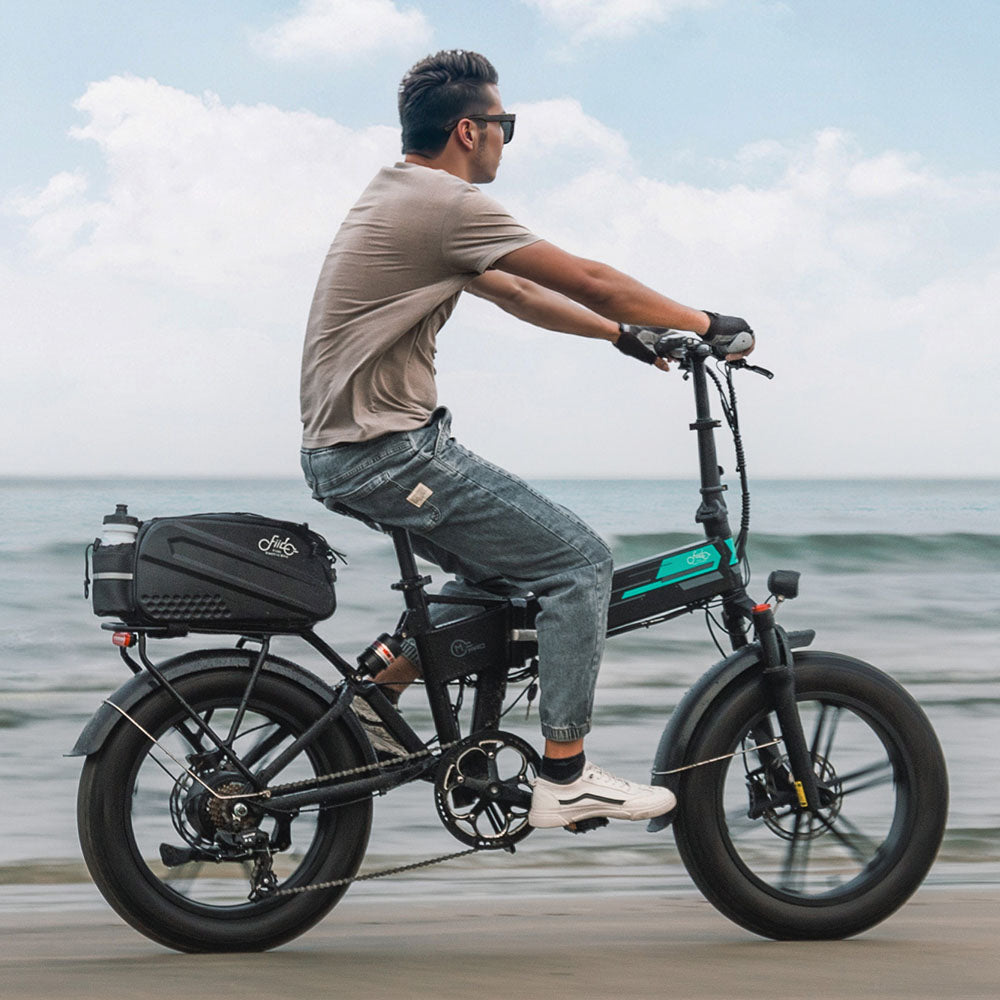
(942, 944)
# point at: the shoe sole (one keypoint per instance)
(549, 820)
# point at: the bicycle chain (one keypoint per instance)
(367, 876)
(348, 880)
(266, 876)
(426, 863)
(262, 873)
(378, 765)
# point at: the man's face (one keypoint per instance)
(489, 146)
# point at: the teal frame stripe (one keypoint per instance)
(672, 568)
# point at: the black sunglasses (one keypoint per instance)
(506, 123)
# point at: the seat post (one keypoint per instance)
(411, 583)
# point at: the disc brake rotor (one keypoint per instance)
(784, 820)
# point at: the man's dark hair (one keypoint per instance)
(437, 92)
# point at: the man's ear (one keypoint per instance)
(466, 132)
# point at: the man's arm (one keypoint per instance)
(534, 304)
(599, 288)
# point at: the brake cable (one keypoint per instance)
(730, 410)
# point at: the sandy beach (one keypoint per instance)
(942, 944)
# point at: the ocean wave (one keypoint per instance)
(9, 719)
(61, 549)
(842, 552)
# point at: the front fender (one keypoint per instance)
(672, 751)
(137, 687)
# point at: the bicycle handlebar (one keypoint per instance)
(676, 346)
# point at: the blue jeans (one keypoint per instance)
(495, 533)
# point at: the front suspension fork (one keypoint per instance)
(780, 678)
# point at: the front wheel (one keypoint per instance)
(788, 873)
(159, 845)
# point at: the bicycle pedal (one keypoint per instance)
(586, 825)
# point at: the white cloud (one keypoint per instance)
(199, 193)
(159, 312)
(584, 20)
(343, 29)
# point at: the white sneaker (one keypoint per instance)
(595, 793)
(383, 742)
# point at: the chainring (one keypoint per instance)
(483, 789)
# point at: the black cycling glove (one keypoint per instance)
(725, 334)
(629, 343)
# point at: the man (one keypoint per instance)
(376, 443)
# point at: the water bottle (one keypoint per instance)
(114, 565)
(120, 528)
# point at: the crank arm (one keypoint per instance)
(496, 790)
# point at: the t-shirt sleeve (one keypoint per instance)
(478, 232)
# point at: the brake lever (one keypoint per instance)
(740, 363)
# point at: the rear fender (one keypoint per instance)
(139, 686)
(672, 751)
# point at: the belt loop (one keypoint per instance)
(443, 417)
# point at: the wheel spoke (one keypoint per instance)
(142, 813)
(186, 874)
(826, 725)
(192, 737)
(880, 773)
(268, 742)
(853, 838)
(797, 855)
(798, 852)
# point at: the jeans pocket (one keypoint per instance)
(392, 504)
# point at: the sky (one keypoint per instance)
(174, 171)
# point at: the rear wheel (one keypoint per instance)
(783, 871)
(151, 834)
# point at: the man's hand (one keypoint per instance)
(728, 335)
(628, 342)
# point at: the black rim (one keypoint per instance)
(858, 834)
(168, 807)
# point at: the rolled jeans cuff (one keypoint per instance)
(565, 734)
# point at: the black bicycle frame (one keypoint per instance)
(483, 649)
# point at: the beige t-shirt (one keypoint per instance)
(414, 240)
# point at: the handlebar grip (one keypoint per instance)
(675, 346)
(739, 343)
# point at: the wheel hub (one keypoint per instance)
(773, 799)
(208, 814)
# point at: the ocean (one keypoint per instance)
(902, 573)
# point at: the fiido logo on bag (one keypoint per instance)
(276, 546)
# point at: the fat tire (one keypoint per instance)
(920, 805)
(104, 815)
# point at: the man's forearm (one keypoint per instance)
(620, 297)
(600, 287)
(542, 307)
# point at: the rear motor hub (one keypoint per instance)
(208, 814)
